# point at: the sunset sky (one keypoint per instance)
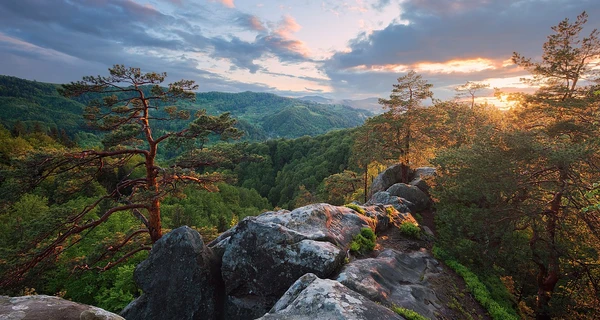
(337, 49)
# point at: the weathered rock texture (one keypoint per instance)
(266, 254)
(385, 198)
(394, 174)
(420, 177)
(396, 278)
(180, 280)
(412, 194)
(50, 308)
(314, 298)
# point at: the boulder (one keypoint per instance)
(314, 298)
(180, 280)
(267, 253)
(414, 195)
(394, 174)
(50, 308)
(420, 177)
(396, 278)
(385, 198)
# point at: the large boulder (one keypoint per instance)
(314, 298)
(414, 195)
(180, 280)
(396, 278)
(394, 174)
(50, 308)
(385, 198)
(267, 253)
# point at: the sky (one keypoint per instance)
(339, 49)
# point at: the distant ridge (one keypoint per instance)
(370, 104)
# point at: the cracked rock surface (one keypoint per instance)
(314, 298)
(396, 278)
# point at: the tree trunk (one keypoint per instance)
(548, 276)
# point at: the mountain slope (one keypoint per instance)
(260, 115)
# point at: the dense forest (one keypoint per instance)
(517, 191)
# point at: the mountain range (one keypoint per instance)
(261, 115)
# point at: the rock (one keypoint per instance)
(50, 308)
(180, 280)
(421, 175)
(314, 298)
(386, 216)
(396, 278)
(384, 197)
(268, 253)
(414, 195)
(392, 175)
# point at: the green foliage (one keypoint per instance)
(200, 208)
(498, 310)
(363, 242)
(289, 164)
(355, 207)
(410, 230)
(408, 314)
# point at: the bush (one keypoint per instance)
(355, 207)
(408, 314)
(410, 230)
(363, 242)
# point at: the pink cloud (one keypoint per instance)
(287, 26)
(227, 3)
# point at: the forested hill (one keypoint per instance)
(262, 115)
(36, 104)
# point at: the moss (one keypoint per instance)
(408, 314)
(410, 230)
(363, 242)
(356, 208)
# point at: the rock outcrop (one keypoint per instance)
(180, 280)
(419, 199)
(390, 187)
(266, 254)
(314, 298)
(394, 174)
(276, 266)
(385, 198)
(396, 278)
(50, 308)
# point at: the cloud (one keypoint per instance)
(227, 3)
(450, 41)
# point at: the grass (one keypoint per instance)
(408, 314)
(410, 230)
(356, 208)
(477, 288)
(363, 242)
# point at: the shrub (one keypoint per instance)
(355, 207)
(410, 230)
(364, 241)
(408, 314)
(481, 293)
